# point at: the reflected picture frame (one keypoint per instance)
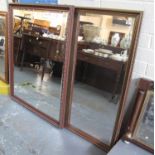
(6, 63)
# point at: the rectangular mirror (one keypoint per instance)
(72, 66)
(140, 131)
(40, 50)
(105, 42)
(144, 130)
(3, 47)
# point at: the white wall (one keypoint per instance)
(3, 5)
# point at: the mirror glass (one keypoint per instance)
(39, 53)
(144, 131)
(103, 51)
(2, 46)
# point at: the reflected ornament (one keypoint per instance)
(126, 42)
(90, 32)
(115, 39)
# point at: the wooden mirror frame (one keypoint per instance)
(120, 113)
(143, 87)
(69, 28)
(69, 68)
(6, 78)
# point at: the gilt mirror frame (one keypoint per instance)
(121, 109)
(70, 9)
(144, 92)
(6, 76)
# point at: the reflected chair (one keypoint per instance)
(37, 48)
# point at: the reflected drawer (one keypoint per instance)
(102, 62)
(39, 42)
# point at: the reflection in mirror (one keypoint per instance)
(144, 131)
(102, 54)
(39, 51)
(2, 47)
